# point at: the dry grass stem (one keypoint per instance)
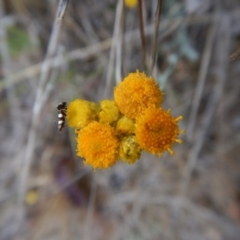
(200, 136)
(40, 96)
(119, 46)
(157, 23)
(47, 191)
(62, 9)
(201, 80)
(84, 53)
(114, 42)
(235, 55)
(142, 32)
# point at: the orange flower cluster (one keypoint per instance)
(121, 129)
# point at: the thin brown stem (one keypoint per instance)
(157, 23)
(207, 53)
(141, 23)
(235, 55)
(123, 39)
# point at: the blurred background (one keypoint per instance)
(45, 190)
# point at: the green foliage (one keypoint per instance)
(18, 41)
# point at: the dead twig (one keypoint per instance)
(119, 45)
(222, 60)
(142, 34)
(62, 10)
(235, 55)
(123, 40)
(114, 42)
(157, 23)
(169, 25)
(198, 143)
(40, 97)
(201, 80)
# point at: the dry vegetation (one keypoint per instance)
(47, 193)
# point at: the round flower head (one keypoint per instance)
(156, 130)
(131, 3)
(109, 112)
(125, 125)
(129, 151)
(81, 112)
(136, 93)
(98, 144)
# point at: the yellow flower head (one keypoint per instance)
(130, 151)
(125, 125)
(131, 3)
(136, 93)
(156, 130)
(98, 144)
(109, 112)
(81, 112)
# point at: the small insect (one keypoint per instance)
(62, 108)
